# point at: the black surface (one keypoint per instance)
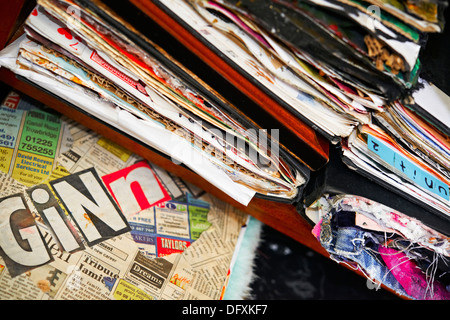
(287, 270)
(435, 57)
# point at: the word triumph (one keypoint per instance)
(85, 198)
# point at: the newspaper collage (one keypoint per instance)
(82, 218)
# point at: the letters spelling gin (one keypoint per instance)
(84, 197)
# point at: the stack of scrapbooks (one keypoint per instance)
(351, 69)
(348, 69)
(330, 62)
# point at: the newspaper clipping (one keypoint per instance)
(82, 218)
